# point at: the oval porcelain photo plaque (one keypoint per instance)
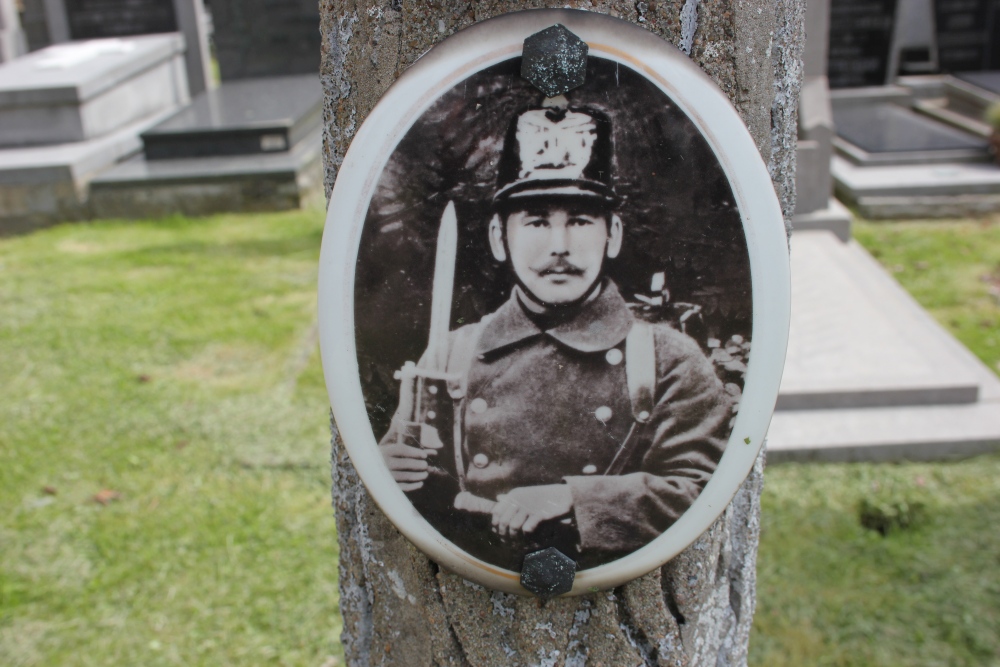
(554, 301)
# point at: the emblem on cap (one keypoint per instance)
(557, 151)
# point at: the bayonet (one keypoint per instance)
(436, 358)
(423, 391)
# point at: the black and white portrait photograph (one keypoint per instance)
(552, 314)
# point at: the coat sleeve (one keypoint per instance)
(683, 442)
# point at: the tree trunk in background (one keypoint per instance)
(400, 608)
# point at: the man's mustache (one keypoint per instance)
(560, 266)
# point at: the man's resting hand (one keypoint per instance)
(407, 460)
(407, 464)
(521, 510)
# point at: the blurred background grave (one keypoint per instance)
(70, 110)
(815, 206)
(251, 143)
(869, 374)
(911, 81)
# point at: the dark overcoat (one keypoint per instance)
(553, 406)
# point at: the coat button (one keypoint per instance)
(589, 469)
(603, 413)
(614, 356)
(478, 406)
(480, 460)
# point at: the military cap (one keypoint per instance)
(557, 151)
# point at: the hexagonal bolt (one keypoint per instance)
(548, 573)
(554, 61)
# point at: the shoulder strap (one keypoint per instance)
(640, 376)
(640, 369)
(460, 356)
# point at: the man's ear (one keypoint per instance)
(496, 239)
(615, 237)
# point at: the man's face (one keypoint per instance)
(557, 250)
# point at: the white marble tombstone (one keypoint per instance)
(192, 22)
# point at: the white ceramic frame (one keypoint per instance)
(459, 56)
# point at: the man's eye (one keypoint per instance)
(581, 221)
(536, 222)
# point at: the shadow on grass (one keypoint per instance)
(831, 592)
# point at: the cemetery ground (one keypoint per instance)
(164, 464)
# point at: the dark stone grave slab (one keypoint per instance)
(968, 34)
(89, 19)
(140, 188)
(860, 39)
(889, 133)
(240, 118)
(988, 81)
(259, 38)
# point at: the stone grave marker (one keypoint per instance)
(239, 118)
(57, 21)
(259, 38)
(968, 34)
(118, 18)
(80, 91)
(914, 44)
(815, 207)
(70, 110)
(860, 40)
(268, 106)
(882, 129)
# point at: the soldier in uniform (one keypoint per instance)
(580, 426)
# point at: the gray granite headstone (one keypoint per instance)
(860, 38)
(258, 38)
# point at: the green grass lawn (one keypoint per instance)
(169, 368)
(832, 592)
(173, 368)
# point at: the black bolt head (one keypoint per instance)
(548, 573)
(554, 61)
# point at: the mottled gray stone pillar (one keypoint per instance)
(399, 608)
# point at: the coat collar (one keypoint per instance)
(600, 324)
